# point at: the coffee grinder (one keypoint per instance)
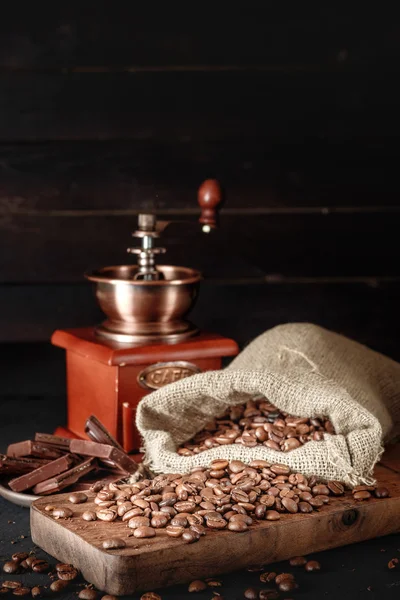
(146, 341)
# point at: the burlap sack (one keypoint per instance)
(304, 370)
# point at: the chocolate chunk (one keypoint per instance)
(105, 452)
(16, 466)
(58, 483)
(98, 433)
(53, 440)
(55, 467)
(33, 449)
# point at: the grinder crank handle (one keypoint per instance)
(209, 197)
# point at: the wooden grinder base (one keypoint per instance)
(104, 378)
(163, 561)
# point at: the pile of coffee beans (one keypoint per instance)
(258, 422)
(227, 495)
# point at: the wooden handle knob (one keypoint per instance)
(209, 197)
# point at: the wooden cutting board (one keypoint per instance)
(162, 561)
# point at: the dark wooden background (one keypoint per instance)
(110, 108)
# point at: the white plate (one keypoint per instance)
(18, 498)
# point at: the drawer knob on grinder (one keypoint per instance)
(209, 196)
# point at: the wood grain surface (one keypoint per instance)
(162, 561)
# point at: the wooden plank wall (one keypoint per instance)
(107, 109)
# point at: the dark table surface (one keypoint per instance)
(357, 571)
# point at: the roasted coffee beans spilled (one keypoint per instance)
(258, 422)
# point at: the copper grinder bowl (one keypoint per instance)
(142, 311)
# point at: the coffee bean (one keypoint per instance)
(58, 585)
(136, 522)
(362, 495)
(251, 594)
(290, 505)
(268, 499)
(174, 531)
(18, 557)
(190, 536)
(324, 499)
(243, 518)
(144, 532)
(239, 496)
(320, 489)
(305, 496)
(169, 511)
(316, 502)
(195, 519)
(108, 597)
(381, 492)
(393, 564)
(283, 577)
(11, 566)
(219, 464)
(216, 523)
(49, 508)
(123, 508)
(217, 474)
(197, 586)
(288, 585)
(24, 565)
(237, 526)
(268, 577)
(260, 511)
(37, 592)
(62, 513)
(96, 487)
(134, 512)
(290, 444)
(280, 469)
(40, 566)
(312, 565)
(159, 521)
(30, 560)
(236, 466)
(87, 594)
(150, 596)
(106, 514)
(66, 572)
(105, 495)
(273, 445)
(89, 515)
(185, 506)
(179, 521)
(213, 583)
(363, 488)
(336, 488)
(272, 515)
(22, 591)
(109, 504)
(286, 493)
(11, 585)
(113, 544)
(305, 507)
(139, 502)
(198, 529)
(77, 498)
